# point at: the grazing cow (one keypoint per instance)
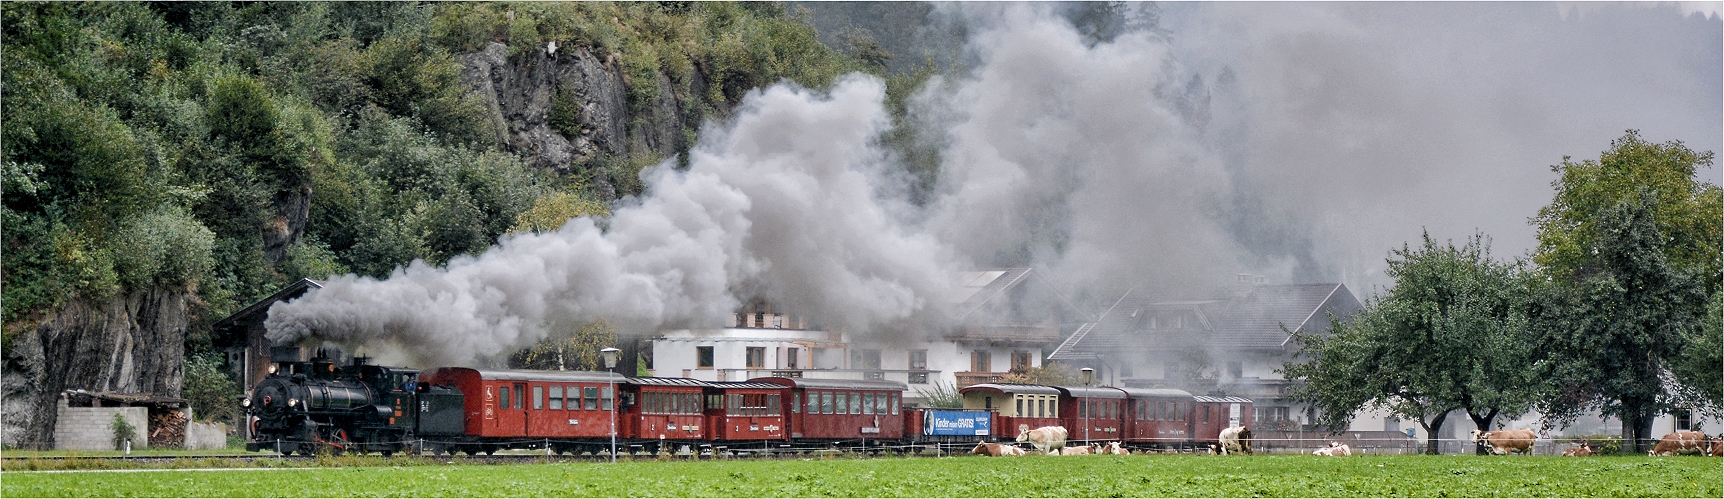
(1503, 442)
(1334, 449)
(988, 449)
(1236, 439)
(1717, 447)
(1112, 448)
(1582, 449)
(1048, 439)
(1681, 442)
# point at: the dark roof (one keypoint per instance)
(729, 385)
(1227, 399)
(1094, 392)
(1010, 388)
(667, 382)
(838, 384)
(1251, 320)
(977, 288)
(257, 312)
(1156, 393)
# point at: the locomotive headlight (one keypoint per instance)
(272, 368)
(293, 402)
(245, 402)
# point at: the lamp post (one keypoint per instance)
(610, 355)
(1089, 405)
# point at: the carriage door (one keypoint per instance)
(1232, 415)
(523, 404)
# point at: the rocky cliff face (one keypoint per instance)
(565, 108)
(129, 343)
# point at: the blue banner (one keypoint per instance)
(957, 423)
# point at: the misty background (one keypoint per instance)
(1164, 147)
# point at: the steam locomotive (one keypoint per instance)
(320, 406)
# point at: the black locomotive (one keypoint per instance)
(318, 406)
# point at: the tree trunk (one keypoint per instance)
(1431, 429)
(1483, 423)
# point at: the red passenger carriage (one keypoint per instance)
(520, 409)
(843, 409)
(1159, 417)
(1092, 413)
(746, 411)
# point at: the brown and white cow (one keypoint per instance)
(1334, 449)
(1582, 449)
(1680, 442)
(1049, 439)
(991, 449)
(1503, 442)
(1235, 439)
(1717, 447)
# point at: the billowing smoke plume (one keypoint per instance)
(1131, 145)
(782, 202)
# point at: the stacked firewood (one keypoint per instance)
(168, 430)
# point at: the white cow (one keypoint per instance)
(1334, 449)
(1235, 439)
(1112, 448)
(1049, 439)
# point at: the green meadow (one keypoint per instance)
(1033, 476)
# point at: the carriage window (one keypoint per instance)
(1020, 407)
(774, 404)
(814, 402)
(1041, 408)
(895, 404)
(503, 401)
(520, 397)
(1083, 409)
(591, 402)
(1206, 414)
(1179, 411)
(880, 403)
(795, 403)
(855, 403)
(605, 399)
(538, 398)
(572, 397)
(825, 402)
(556, 398)
(867, 403)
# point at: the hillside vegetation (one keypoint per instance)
(204, 155)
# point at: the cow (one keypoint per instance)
(1049, 439)
(989, 449)
(1717, 447)
(1112, 448)
(1334, 449)
(1582, 449)
(1235, 439)
(1080, 450)
(1680, 442)
(1503, 442)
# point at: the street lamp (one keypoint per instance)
(1089, 405)
(610, 355)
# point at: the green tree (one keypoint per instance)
(1612, 330)
(1451, 333)
(568, 349)
(1699, 367)
(210, 391)
(550, 212)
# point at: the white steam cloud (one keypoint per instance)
(782, 202)
(1299, 141)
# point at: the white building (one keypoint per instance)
(1008, 319)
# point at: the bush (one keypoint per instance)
(209, 389)
(123, 431)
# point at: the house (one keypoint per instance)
(1006, 320)
(1230, 345)
(241, 335)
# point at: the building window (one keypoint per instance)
(790, 356)
(869, 359)
(756, 358)
(919, 378)
(1021, 361)
(979, 361)
(1235, 369)
(1684, 419)
(703, 357)
(918, 359)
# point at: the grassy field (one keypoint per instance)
(1036, 476)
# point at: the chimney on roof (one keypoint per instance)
(1243, 283)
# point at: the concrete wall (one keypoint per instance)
(92, 428)
(206, 436)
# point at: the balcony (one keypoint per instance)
(907, 376)
(976, 378)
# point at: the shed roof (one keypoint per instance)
(532, 375)
(1011, 388)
